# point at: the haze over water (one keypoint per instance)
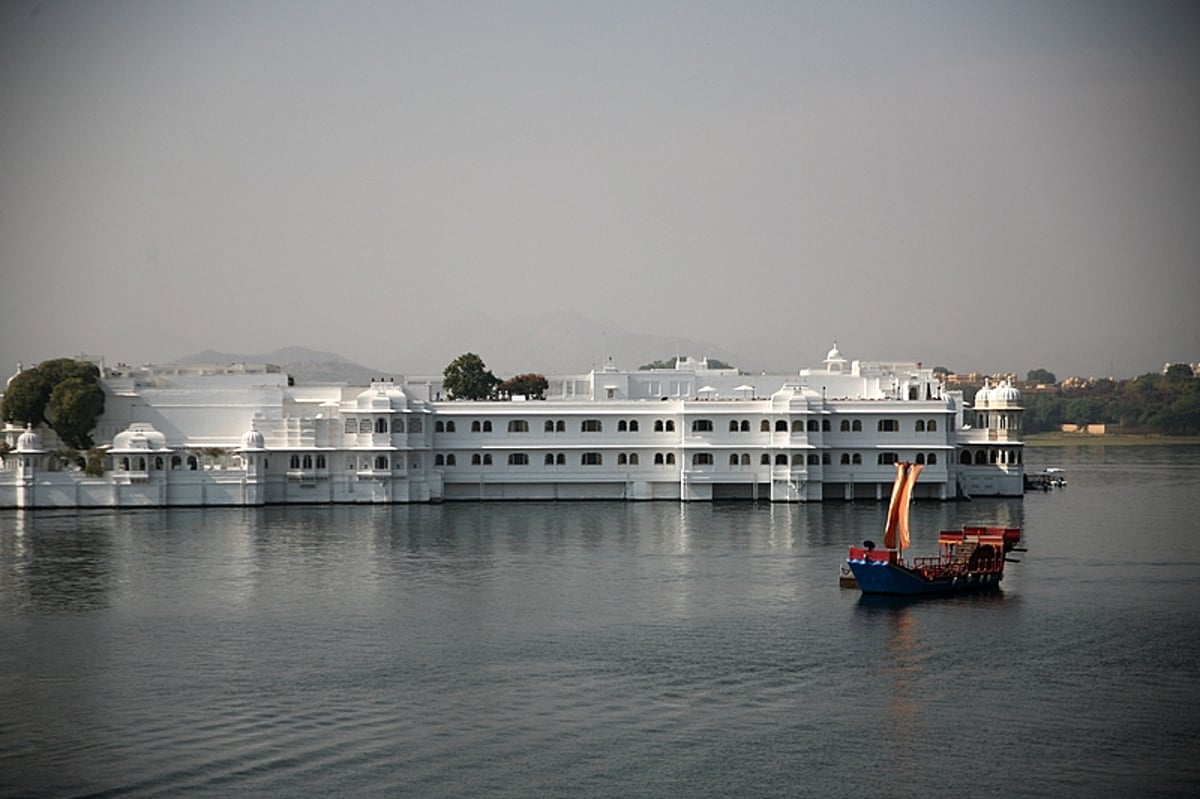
(604, 649)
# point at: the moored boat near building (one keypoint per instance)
(244, 435)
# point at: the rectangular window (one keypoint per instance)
(591, 426)
(702, 426)
(591, 459)
(518, 459)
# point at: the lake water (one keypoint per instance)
(604, 649)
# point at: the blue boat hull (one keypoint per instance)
(887, 578)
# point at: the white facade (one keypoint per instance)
(247, 437)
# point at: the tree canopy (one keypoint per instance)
(1041, 376)
(467, 377)
(530, 385)
(63, 394)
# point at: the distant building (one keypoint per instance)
(243, 435)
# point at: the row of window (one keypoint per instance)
(983, 457)
(698, 459)
(380, 425)
(668, 426)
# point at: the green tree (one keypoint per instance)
(1041, 376)
(75, 405)
(1178, 373)
(62, 393)
(530, 385)
(26, 398)
(466, 377)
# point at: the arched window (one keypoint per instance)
(780, 426)
(781, 459)
(920, 428)
(633, 459)
(364, 425)
(476, 426)
(306, 461)
(765, 460)
(733, 459)
(591, 459)
(158, 463)
(192, 463)
(733, 425)
(487, 459)
(658, 459)
(745, 458)
(670, 425)
(451, 459)
(633, 426)
(797, 425)
(476, 459)
(825, 426)
(931, 459)
(450, 427)
(381, 425)
(994, 455)
(814, 459)
(548, 427)
(931, 425)
(351, 426)
(560, 426)
(439, 426)
(439, 460)
(856, 459)
(294, 462)
(797, 459)
(826, 460)
(176, 462)
(560, 459)
(964, 457)
(658, 425)
(814, 426)
(487, 425)
(518, 426)
(549, 459)
(745, 427)
(845, 461)
(845, 427)
(622, 426)
(124, 466)
(381, 462)
(856, 426)
(670, 458)
(764, 426)
(702, 459)
(921, 458)
(518, 459)
(980, 458)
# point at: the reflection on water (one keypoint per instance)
(600, 649)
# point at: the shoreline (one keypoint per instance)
(1107, 440)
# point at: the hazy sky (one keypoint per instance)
(1016, 182)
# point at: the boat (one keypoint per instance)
(1046, 479)
(970, 559)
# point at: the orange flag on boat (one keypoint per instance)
(914, 469)
(893, 517)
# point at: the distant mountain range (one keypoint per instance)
(556, 343)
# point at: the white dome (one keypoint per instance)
(252, 439)
(29, 441)
(139, 436)
(382, 395)
(1005, 392)
(984, 395)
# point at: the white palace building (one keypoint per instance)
(244, 435)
